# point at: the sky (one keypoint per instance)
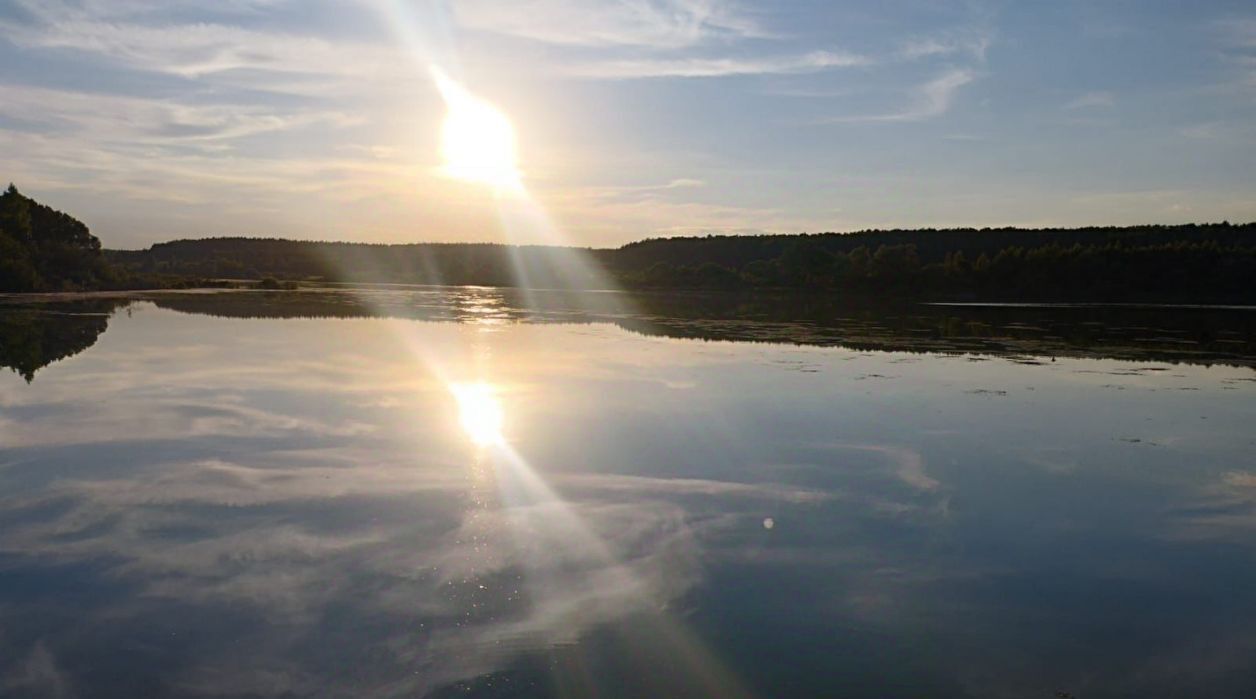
(316, 119)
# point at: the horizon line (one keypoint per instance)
(696, 236)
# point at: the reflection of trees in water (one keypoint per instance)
(1198, 335)
(32, 337)
(1186, 335)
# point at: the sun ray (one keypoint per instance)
(478, 144)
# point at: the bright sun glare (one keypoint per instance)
(480, 412)
(477, 140)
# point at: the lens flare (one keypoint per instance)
(480, 412)
(477, 141)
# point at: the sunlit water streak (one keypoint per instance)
(591, 585)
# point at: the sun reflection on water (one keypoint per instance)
(479, 412)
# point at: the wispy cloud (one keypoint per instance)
(684, 182)
(1240, 33)
(695, 486)
(1238, 41)
(217, 53)
(661, 211)
(1236, 131)
(719, 67)
(141, 122)
(39, 674)
(909, 465)
(1204, 131)
(928, 100)
(646, 189)
(1091, 100)
(665, 24)
(973, 43)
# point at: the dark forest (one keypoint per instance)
(1183, 263)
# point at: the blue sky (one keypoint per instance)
(636, 118)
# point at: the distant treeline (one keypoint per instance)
(1186, 262)
(1210, 262)
(42, 249)
(459, 264)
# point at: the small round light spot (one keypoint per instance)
(768, 523)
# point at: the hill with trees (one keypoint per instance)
(42, 249)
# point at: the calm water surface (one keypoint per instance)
(268, 495)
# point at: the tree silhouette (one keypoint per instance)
(42, 249)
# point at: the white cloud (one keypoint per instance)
(718, 67)
(684, 182)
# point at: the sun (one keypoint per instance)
(477, 141)
(479, 412)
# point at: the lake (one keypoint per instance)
(490, 493)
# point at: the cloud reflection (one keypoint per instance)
(300, 507)
(292, 507)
